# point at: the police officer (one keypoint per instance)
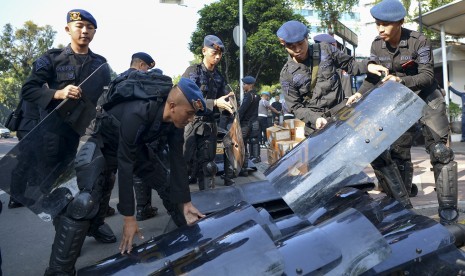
(66, 72)
(408, 56)
(120, 138)
(311, 97)
(248, 115)
(201, 135)
(346, 79)
(143, 62)
(263, 107)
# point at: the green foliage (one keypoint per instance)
(454, 111)
(330, 11)
(263, 55)
(18, 50)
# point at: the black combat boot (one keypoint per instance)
(244, 171)
(12, 204)
(98, 228)
(145, 212)
(228, 173)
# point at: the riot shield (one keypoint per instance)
(233, 142)
(38, 171)
(314, 171)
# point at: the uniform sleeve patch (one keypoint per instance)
(424, 55)
(42, 62)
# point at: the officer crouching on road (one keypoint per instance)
(408, 56)
(120, 139)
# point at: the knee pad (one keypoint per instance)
(254, 140)
(89, 164)
(82, 206)
(440, 153)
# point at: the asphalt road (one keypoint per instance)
(26, 240)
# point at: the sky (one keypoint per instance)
(124, 27)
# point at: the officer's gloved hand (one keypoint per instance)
(320, 123)
(353, 99)
(223, 103)
(377, 69)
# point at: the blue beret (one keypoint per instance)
(193, 95)
(292, 31)
(324, 38)
(388, 10)
(213, 42)
(266, 93)
(248, 80)
(80, 15)
(145, 57)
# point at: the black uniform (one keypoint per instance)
(201, 135)
(306, 103)
(248, 115)
(58, 68)
(413, 62)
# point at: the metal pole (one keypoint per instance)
(419, 16)
(445, 76)
(241, 55)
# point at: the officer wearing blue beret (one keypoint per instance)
(70, 74)
(131, 135)
(81, 15)
(248, 116)
(310, 90)
(143, 57)
(201, 135)
(408, 56)
(325, 38)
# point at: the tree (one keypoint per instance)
(329, 12)
(18, 50)
(263, 55)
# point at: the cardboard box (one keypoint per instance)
(284, 147)
(297, 128)
(272, 156)
(277, 133)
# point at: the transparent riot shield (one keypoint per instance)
(313, 172)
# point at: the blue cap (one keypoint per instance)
(213, 42)
(266, 93)
(388, 10)
(292, 31)
(248, 80)
(193, 95)
(144, 57)
(80, 15)
(324, 38)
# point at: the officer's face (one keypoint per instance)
(389, 31)
(81, 32)
(212, 56)
(181, 111)
(298, 50)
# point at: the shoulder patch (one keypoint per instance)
(42, 62)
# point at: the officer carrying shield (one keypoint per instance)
(201, 135)
(408, 56)
(311, 90)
